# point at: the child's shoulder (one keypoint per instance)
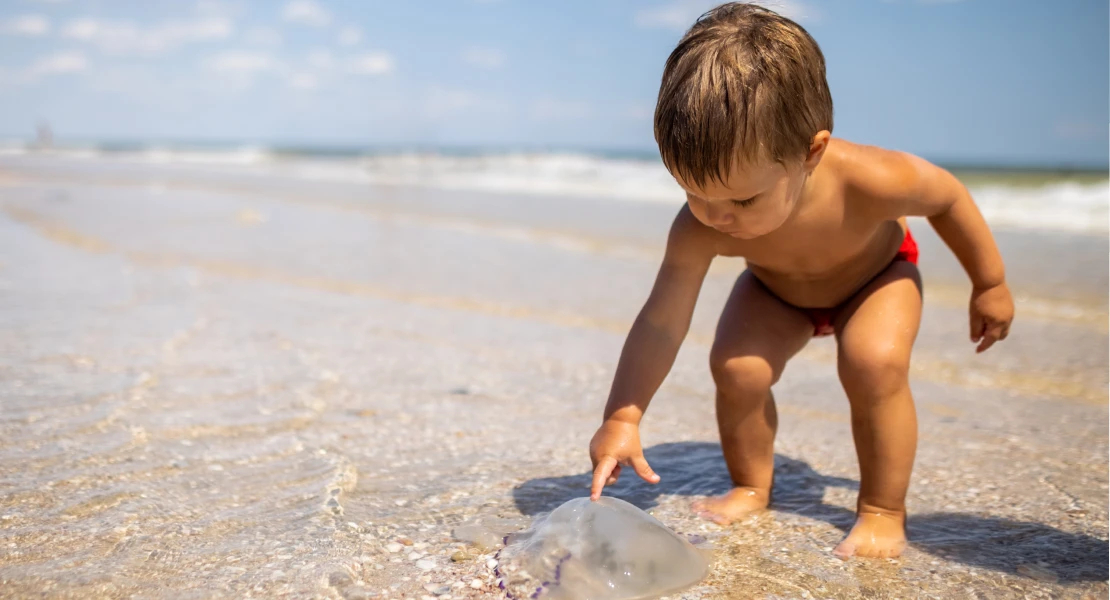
(690, 233)
(871, 172)
(863, 165)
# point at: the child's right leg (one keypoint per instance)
(756, 335)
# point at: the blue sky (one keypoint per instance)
(997, 81)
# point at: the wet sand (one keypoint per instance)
(220, 384)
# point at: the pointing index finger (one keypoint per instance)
(601, 475)
(991, 336)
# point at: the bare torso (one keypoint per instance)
(830, 248)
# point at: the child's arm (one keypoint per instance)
(649, 352)
(911, 186)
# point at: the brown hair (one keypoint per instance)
(743, 83)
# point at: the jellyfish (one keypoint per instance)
(602, 550)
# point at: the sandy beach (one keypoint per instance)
(216, 383)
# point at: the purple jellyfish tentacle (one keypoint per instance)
(559, 568)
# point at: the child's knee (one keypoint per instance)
(742, 376)
(875, 371)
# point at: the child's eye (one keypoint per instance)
(747, 202)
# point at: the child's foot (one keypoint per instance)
(875, 535)
(737, 503)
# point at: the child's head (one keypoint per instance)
(744, 113)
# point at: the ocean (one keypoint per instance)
(1031, 198)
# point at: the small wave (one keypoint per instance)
(156, 154)
(12, 147)
(1056, 206)
(1059, 206)
(244, 155)
(548, 174)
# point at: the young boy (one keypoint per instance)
(743, 124)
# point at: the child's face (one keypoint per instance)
(753, 201)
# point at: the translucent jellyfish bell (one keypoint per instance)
(603, 550)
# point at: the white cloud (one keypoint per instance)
(372, 63)
(32, 25)
(302, 81)
(242, 62)
(262, 36)
(59, 63)
(677, 15)
(551, 109)
(681, 14)
(350, 36)
(64, 62)
(129, 38)
(306, 12)
(320, 59)
(486, 58)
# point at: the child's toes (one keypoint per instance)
(845, 550)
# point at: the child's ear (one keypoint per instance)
(817, 149)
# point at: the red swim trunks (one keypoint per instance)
(823, 318)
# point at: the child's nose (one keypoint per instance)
(718, 215)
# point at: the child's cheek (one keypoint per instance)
(698, 210)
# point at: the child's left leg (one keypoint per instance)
(874, 340)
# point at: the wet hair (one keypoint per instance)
(744, 84)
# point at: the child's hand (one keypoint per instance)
(992, 310)
(617, 443)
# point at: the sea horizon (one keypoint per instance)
(343, 149)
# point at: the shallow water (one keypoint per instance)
(229, 393)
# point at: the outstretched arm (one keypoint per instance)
(659, 329)
(649, 352)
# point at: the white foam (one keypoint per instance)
(1074, 207)
(245, 155)
(12, 147)
(1059, 206)
(549, 174)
